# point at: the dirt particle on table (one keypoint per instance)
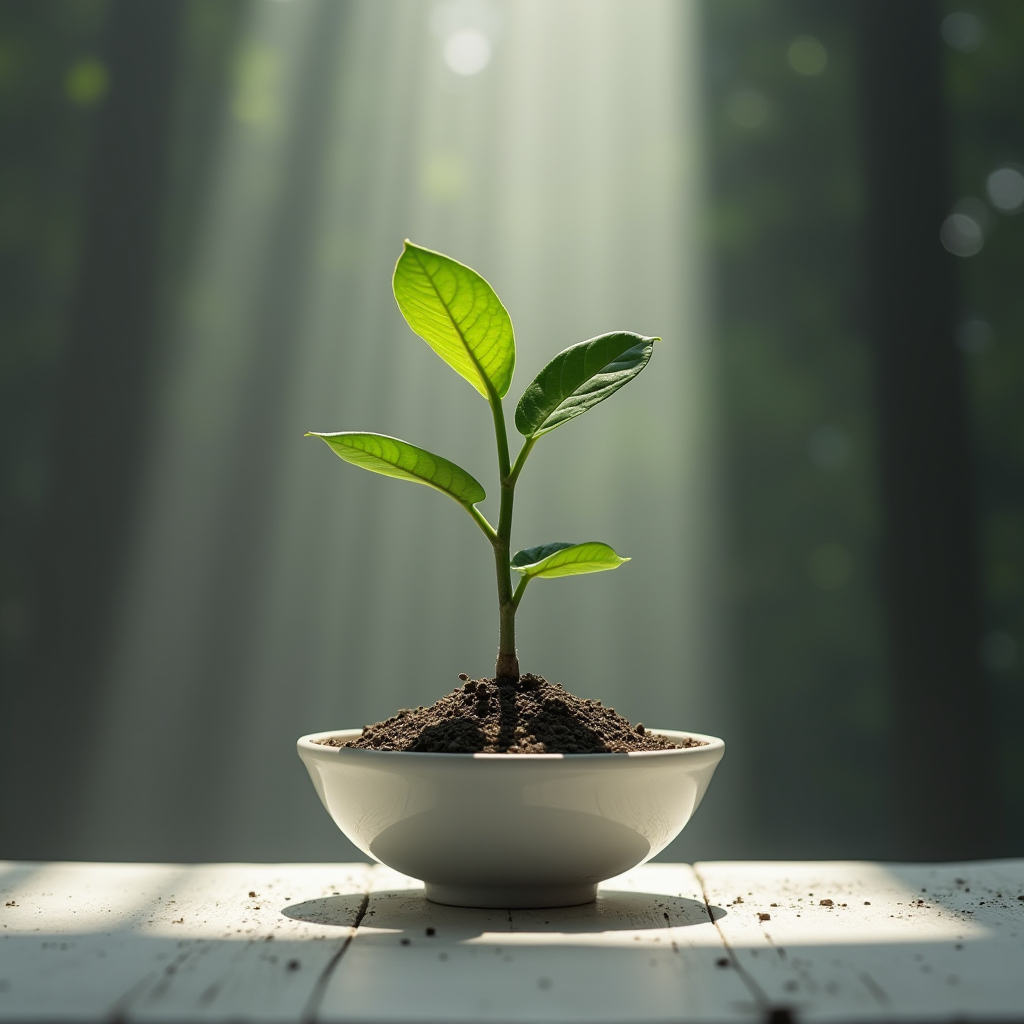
(722, 961)
(404, 942)
(294, 965)
(867, 903)
(499, 716)
(764, 917)
(825, 903)
(431, 931)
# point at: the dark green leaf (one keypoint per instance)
(455, 311)
(579, 378)
(403, 461)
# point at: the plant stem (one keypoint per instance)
(521, 459)
(507, 664)
(481, 520)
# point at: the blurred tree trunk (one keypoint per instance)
(100, 429)
(945, 791)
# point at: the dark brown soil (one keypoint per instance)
(531, 716)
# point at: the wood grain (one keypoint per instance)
(721, 942)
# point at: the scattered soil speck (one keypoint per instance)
(764, 917)
(825, 903)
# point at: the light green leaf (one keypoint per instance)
(455, 311)
(579, 378)
(403, 461)
(562, 559)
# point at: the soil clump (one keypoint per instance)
(501, 716)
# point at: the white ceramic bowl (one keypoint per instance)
(510, 830)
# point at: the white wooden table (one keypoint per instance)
(736, 942)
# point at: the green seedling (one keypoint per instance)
(456, 312)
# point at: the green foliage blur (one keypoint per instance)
(783, 134)
(786, 169)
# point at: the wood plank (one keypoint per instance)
(153, 943)
(892, 942)
(646, 951)
(87, 942)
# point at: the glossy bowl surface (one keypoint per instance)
(510, 830)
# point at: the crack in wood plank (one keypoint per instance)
(316, 997)
(758, 994)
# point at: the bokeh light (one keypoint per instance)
(974, 336)
(467, 52)
(1005, 189)
(961, 235)
(807, 56)
(830, 566)
(963, 31)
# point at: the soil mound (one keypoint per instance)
(497, 716)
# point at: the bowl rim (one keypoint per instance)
(309, 744)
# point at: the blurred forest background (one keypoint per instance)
(820, 478)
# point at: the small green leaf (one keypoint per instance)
(455, 311)
(562, 559)
(391, 457)
(579, 378)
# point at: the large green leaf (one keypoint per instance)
(392, 457)
(580, 377)
(455, 311)
(562, 559)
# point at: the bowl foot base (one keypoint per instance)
(510, 897)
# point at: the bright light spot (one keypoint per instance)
(86, 82)
(748, 108)
(974, 336)
(998, 651)
(829, 447)
(1005, 189)
(961, 235)
(807, 56)
(467, 52)
(963, 31)
(830, 566)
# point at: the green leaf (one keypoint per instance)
(562, 559)
(455, 311)
(392, 457)
(579, 378)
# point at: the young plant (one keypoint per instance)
(456, 312)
